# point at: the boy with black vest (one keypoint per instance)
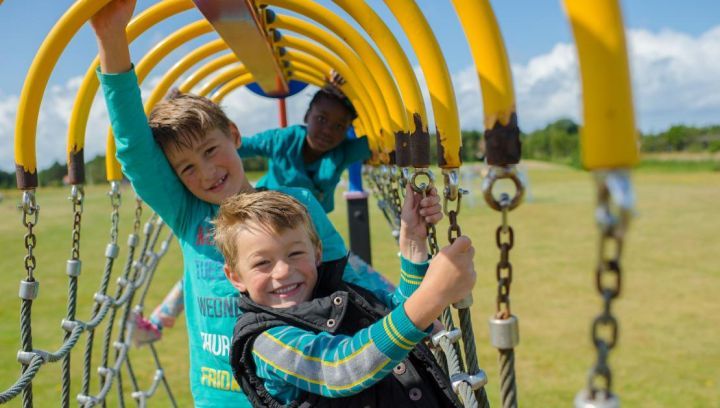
(308, 339)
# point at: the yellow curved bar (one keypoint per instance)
(491, 61)
(90, 84)
(347, 55)
(181, 67)
(608, 138)
(207, 69)
(35, 83)
(319, 82)
(231, 85)
(309, 64)
(222, 78)
(394, 55)
(143, 68)
(358, 43)
(433, 64)
(349, 75)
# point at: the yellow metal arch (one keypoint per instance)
(608, 137)
(437, 75)
(221, 79)
(491, 61)
(231, 85)
(395, 57)
(35, 83)
(90, 84)
(206, 70)
(344, 70)
(347, 55)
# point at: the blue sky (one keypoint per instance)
(675, 59)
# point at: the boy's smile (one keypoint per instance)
(211, 169)
(276, 269)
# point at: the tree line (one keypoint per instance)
(557, 142)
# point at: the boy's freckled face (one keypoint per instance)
(212, 170)
(327, 123)
(277, 269)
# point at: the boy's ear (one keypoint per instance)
(235, 135)
(234, 278)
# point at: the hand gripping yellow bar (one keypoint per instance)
(608, 138)
(433, 65)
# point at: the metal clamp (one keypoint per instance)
(497, 173)
(475, 381)
(452, 336)
(26, 357)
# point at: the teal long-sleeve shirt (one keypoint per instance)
(286, 166)
(210, 300)
(292, 360)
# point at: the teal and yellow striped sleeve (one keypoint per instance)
(411, 276)
(291, 360)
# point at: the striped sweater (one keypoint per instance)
(291, 360)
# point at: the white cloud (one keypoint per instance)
(676, 79)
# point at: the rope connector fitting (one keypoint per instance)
(25, 357)
(112, 250)
(29, 289)
(464, 303)
(70, 325)
(504, 333)
(452, 336)
(73, 267)
(475, 381)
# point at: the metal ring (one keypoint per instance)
(497, 173)
(423, 187)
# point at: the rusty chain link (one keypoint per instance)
(615, 203)
(30, 211)
(505, 240)
(115, 200)
(77, 197)
(424, 188)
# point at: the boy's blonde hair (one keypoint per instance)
(269, 209)
(181, 120)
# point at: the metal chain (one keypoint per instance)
(77, 196)
(31, 212)
(505, 240)
(614, 210)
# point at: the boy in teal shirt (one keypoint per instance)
(183, 163)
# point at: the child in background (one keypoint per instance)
(183, 162)
(306, 336)
(314, 155)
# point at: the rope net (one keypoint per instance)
(106, 324)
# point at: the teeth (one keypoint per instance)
(285, 290)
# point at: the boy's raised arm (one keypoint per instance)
(109, 24)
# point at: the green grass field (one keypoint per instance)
(669, 347)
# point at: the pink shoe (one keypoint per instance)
(145, 332)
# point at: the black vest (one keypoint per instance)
(416, 382)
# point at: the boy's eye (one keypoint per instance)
(210, 150)
(295, 254)
(320, 118)
(261, 264)
(187, 170)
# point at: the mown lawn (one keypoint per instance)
(668, 353)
